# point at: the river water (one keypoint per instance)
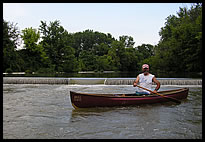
(42, 111)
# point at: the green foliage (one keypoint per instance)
(45, 70)
(56, 42)
(96, 42)
(88, 60)
(11, 37)
(102, 63)
(147, 50)
(52, 49)
(28, 71)
(127, 41)
(9, 70)
(30, 37)
(180, 46)
(33, 52)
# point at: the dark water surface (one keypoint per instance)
(45, 111)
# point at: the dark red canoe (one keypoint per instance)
(85, 100)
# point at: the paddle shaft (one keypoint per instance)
(170, 98)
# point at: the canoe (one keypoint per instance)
(86, 100)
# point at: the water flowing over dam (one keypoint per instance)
(164, 81)
(93, 81)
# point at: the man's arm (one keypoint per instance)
(158, 84)
(136, 81)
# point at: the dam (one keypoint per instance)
(94, 81)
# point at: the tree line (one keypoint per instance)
(51, 48)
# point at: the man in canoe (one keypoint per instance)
(145, 80)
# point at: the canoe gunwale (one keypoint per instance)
(86, 100)
(165, 93)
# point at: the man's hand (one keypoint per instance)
(155, 91)
(134, 84)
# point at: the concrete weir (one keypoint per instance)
(94, 81)
(35, 80)
(164, 81)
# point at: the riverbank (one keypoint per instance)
(94, 81)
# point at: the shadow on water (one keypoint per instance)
(82, 113)
(85, 112)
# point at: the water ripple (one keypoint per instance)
(45, 111)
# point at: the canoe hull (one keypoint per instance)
(82, 100)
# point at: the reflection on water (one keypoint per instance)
(45, 111)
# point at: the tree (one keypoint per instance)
(101, 49)
(70, 63)
(56, 42)
(132, 59)
(102, 63)
(179, 48)
(92, 49)
(91, 41)
(145, 51)
(33, 53)
(11, 35)
(127, 41)
(180, 45)
(115, 54)
(87, 60)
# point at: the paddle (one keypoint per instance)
(170, 98)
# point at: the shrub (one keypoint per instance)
(9, 70)
(28, 72)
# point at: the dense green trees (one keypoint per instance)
(33, 53)
(56, 42)
(11, 59)
(180, 46)
(51, 48)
